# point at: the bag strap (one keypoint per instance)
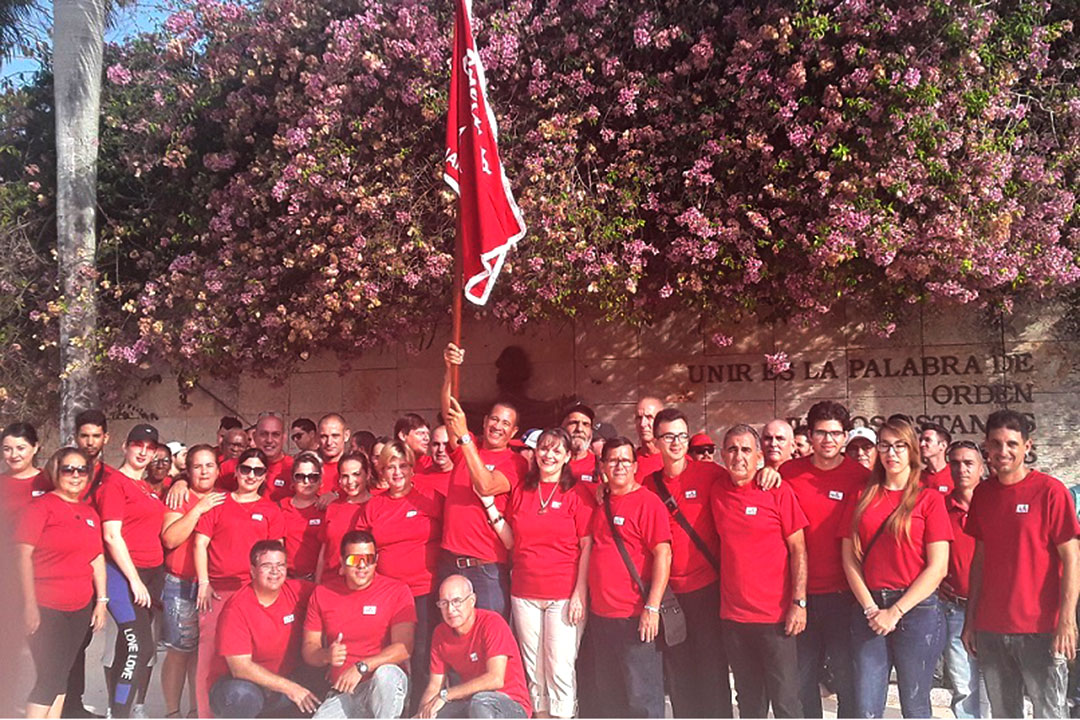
(673, 507)
(881, 529)
(623, 551)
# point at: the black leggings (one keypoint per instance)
(54, 647)
(134, 636)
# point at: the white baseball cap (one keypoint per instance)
(861, 432)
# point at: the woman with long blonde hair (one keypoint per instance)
(895, 549)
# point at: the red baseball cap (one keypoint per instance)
(701, 440)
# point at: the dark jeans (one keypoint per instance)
(629, 673)
(588, 695)
(427, 617)
(827, 640)
(1015, 664)
(696, 669)
(491, 583)
(233, 698)
(914, 648)
(766, 667)
(488, 704)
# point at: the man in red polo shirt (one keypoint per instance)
(648, 453)
(578, 423)
(823, 481)
(361, 625)
(763, 583)
(778, 442)
(478, 647)
(933, 442)
(257, 670)
(270, 438)
(477, 495)
(1021, 615)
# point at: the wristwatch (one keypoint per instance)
(464, 439)
(361, 667)
(443, 694)
(800, 603)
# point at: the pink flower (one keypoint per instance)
(118, 75)
(778, 362)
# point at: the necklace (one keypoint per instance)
(544, 503)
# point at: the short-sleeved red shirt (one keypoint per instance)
(467, 654)
(329, 478)
(585, 469)
(278, 484)
(754, 526)
(341, 517)
(648, 464)
(138, 508)
(692, 490)
(363, 617)
(894, 562)
(941, 480)
(407, 531)
(180, 561)
(16, 494)
(1021, 527)
(465, 524)
(434, 479)
(233, 528)
(302, 543)
(961, 551)
(66, 538)
(547, 540)
(270, 634)
(823, 495)
(643, 524)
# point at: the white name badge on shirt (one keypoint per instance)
(369, 609)
(288, 619)
(751, 510)
(1022, 508)
(490, 467)
(315, 521)
(256, 516)
(90, 522)
(586, 478)
(411, 513)
(836, 495)
(618, 520)
(690, 494)
(943, 489)
(280, 482)
(556, 504)
(37, 493)
(474, 657)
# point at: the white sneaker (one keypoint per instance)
(138, 710)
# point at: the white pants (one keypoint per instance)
(549, 647)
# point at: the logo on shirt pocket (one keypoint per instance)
(490, 468)
(411, 513)
(943, 489)
(474, 657)
(1023, 508)
(315, 521)
(556, 504)
(836, 495)
(370, 609)
(288, 619)
(280, 482)
(618, 520)
(90, 522)
(256, 516)
(586, 478)
(37, 493)
(690, 494)
(751, 510)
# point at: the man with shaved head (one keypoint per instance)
(778, 442)
(270, 438)
(333, 439)
(648, 453)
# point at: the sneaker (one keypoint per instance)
(138, 710)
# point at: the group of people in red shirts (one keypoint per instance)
(442, 573)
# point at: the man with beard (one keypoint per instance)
(578, 423)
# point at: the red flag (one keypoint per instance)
(489, 221)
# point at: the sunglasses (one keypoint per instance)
(365, 560)
(75, 470)
(709, 450)
(306, 477)
(256, 470)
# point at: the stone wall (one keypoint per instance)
(954, 366)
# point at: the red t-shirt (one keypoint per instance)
(941, 480)
(692, 490)
(823, 495)
(329, 478)
(584, 470)
(180, 561)
(643, 524)
(16, 494)
(754, 525)
(407, 531)
(467, 655)
(648, 464)
(341, 517)
(277, 486)
(423, 464)
(233, 528)
(1021, 526)
(961, 552)
(363, 617)
(465, 524)
(302, 543)
(433, 479)
(66, 538)
(271, 635)
(894, 562)
(138, 507)
(547, 543)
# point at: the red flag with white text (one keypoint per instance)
(489, 221)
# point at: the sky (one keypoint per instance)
(138, 16)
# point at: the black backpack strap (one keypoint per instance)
(673, 507)
(880, 530)
(623, 551)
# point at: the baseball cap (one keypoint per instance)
(175, 446)
(861, 432)
(701, 440)
(580, 408)
(604, 431)
(531, 437)
(143, 433)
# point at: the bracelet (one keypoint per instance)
(899, 609)
(496, 520)
(653, 609)
(103, 599)
(870, 609)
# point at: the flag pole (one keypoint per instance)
(456, 307)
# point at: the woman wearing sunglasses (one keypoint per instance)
(223, 540)
(62, 568)
(895, 550)
(407, 520)
(303, 517)
(354, 476)
(22, 482)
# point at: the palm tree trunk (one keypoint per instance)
(78, 38)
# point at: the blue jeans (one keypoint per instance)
(827, 640)
(383, 695)
(628, 673)
(180, 616)
(913, 648)
(491, 582)
(487, 704)
(1019, 664)
(234, 698)
(969, 698)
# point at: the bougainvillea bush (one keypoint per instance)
(271, 174)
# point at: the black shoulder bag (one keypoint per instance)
(672, 620)
(673, 507)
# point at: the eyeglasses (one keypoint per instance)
(455, 603)
(616, 462)
(899, 448)
(75, 470)
(307, 477)
(272, 567)
(365, 560)
(256, 470)
(672, 438)
(834, 434)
